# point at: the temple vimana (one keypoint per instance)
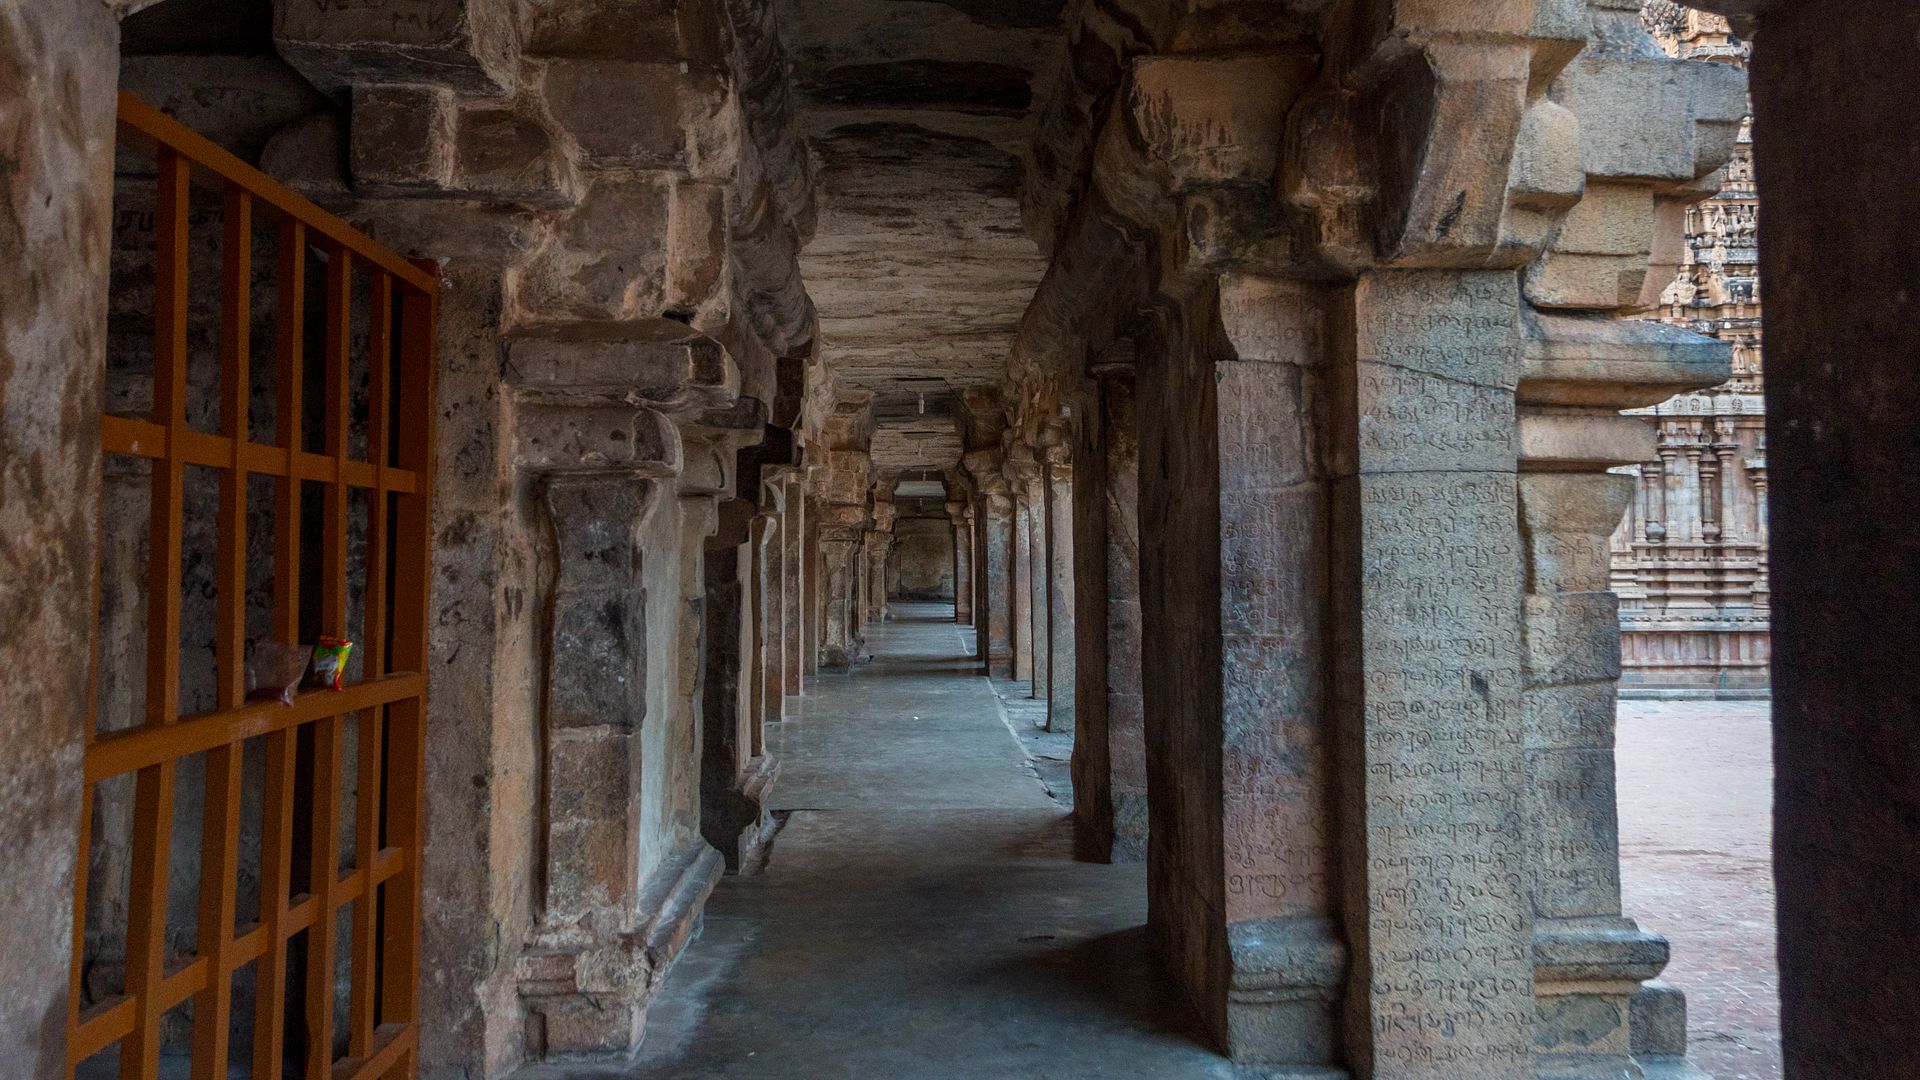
(552, 539)
(1690, 557)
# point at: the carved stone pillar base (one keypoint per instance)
(589, 999)
(742, 827)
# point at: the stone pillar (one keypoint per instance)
(879, 546)
(981, 584)
(992, 608)
(1679, 476)
(1834, 94)
(1428, 602)
(1589, 960)
(772, 610)
(769, 601)
(961, 515)
(857, 612)
(1038, 636)
(736, 774)
(1109, 747)
(57, 195)
(1060, 584)
(841, 532)
(1734, 523)
(1653, 487)
(1234, 649)
(793, 580)
(1020, 605)
(594, 699)
(812, 588)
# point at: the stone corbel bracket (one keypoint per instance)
(1190, 152)
(1653, 132)
(713, 440)
(1021, 466)
(472, 47)
(1430, 141)
(658, 363)
(426, 141)
(1578, 372)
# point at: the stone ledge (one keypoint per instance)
(1606, 949)
(1656, 693)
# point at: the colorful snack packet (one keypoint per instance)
(330, 663)
(274, 671)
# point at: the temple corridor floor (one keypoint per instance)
(921, 915)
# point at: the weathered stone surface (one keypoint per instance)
(1827, 102)
(506, 153)
(921, 566)
(402, 137)
(576, 275)
(1430, 692)
(463, 43)
(58, 120)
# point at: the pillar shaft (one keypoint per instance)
(734, 772)
(1234, 641)
(1038, 574)
(812, 588)
(1109, 750)
(770, 601)
(1831, 97)
(1020, 587)
(993, 612)
(61, 60)
(962, 517)
(1060, 591)
(840, 558)
(1428, 604)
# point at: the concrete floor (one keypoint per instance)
(921, 915)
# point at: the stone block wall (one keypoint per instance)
(921, 566)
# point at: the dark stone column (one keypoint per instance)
(812, 590)
(1109, 749)
(962, 517)
(734, 775)
(1038, 636)
(1234, 549)
(992, 609)
(1835, 97)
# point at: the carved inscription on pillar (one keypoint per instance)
(1438, 636)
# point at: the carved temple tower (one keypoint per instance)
(1690, 559)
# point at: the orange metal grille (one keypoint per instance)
(388, 704)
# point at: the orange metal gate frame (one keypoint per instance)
(388, 704)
